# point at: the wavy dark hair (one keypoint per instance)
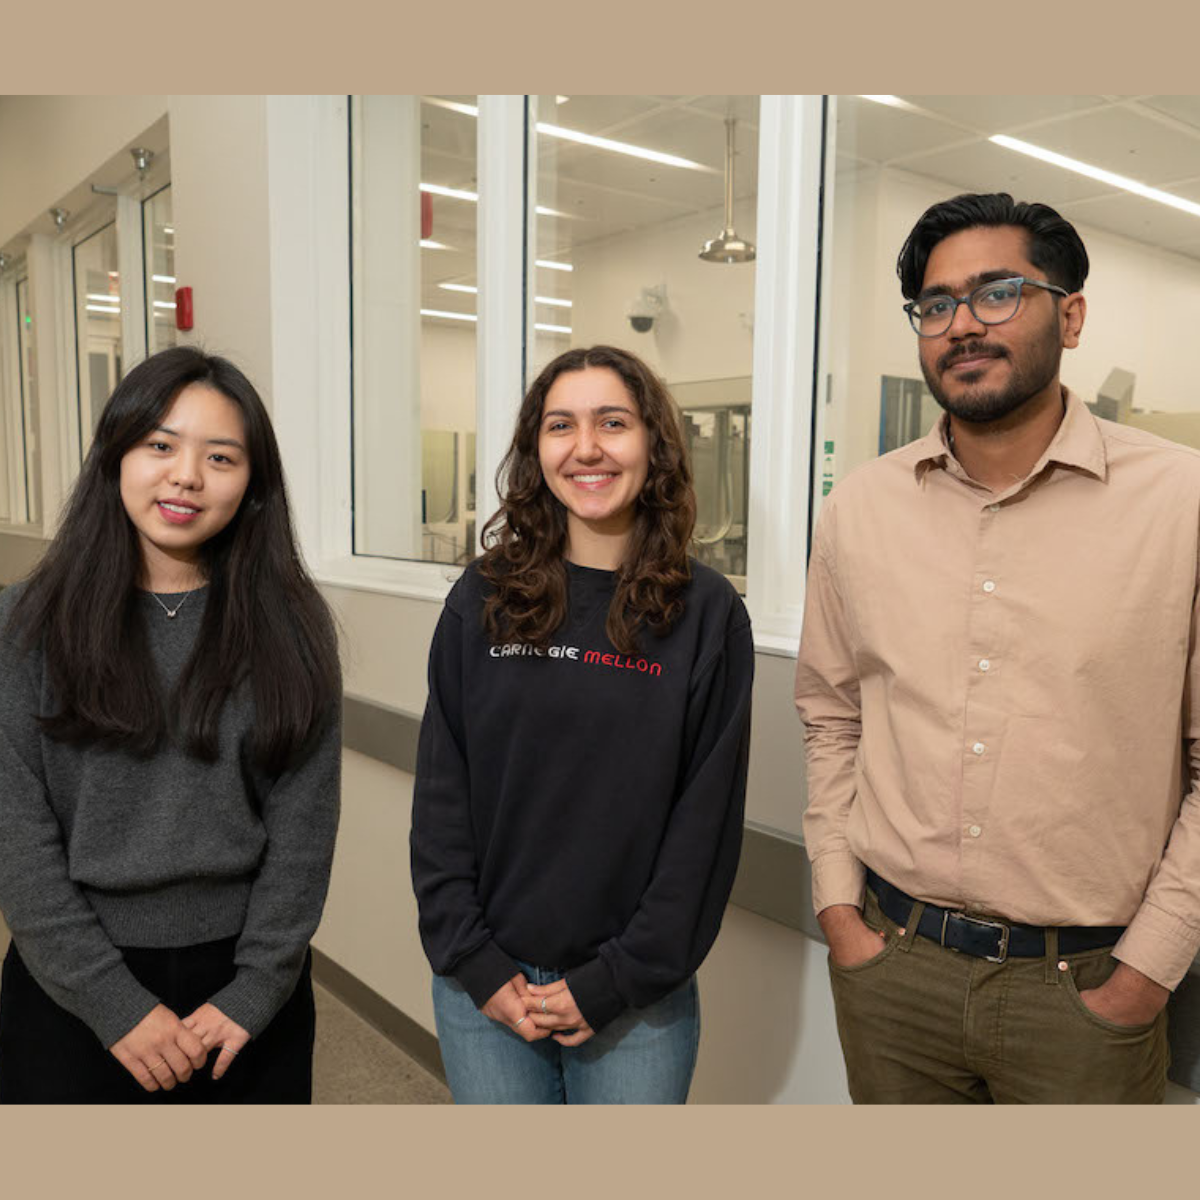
(526, 537)
(264, 620)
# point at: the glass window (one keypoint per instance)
(894, 156)
(30, 423)
(414, 205)
(159, 234)
(645, 224)
(97, 326)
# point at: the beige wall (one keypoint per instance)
(219, 206)
(50, 144)
(18, 556)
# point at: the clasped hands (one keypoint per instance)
(163, 1049)
(538, 1011)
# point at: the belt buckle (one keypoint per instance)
(1000, 925)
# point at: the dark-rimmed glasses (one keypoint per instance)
(991, 304)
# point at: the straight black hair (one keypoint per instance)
(264, 620)
(1054, 245)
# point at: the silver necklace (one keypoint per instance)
(171, 611)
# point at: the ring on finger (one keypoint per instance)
(162, 1062)
(544, 1009)
(521, 1022)
(229, 1050)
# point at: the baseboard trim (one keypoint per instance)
(400, 1029)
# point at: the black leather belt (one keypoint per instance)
(986, 937)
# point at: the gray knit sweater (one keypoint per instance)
(99, 849)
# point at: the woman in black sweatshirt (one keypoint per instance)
(580, 781)
(169, 764)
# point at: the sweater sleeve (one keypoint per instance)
(56, 930)
(300, 814)
(679, 914)
(445, 870)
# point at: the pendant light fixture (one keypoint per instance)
(728, 247)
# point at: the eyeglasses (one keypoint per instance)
(991, 304)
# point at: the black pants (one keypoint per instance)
(49, 1056)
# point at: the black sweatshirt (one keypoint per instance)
(580, 809)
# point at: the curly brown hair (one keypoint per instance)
(526, 538)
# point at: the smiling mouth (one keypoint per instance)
(593, 478)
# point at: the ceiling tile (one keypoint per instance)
(878, 133)
(1123, 141)
(986, 167)
(1000, 114)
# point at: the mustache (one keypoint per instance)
(966, 351)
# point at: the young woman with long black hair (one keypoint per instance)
(169, 764)
(582, 767)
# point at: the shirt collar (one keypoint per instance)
(1078, 442)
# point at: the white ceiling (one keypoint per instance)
(1154, 139)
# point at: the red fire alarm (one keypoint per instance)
(183, 308)
(426, 215)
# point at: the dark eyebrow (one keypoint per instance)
(211, 441)
(602, 411)
(974, 281)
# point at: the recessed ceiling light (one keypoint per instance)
(554, 328)
(892, 102)
(554, 266)
(430, 244)
(1098, 173)
(163, 278)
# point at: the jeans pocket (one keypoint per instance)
(891, 940)
(1094, 1019)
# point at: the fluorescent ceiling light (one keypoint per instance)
(430, 244)
(1098, 173)
(168, 229)
(890, 101)
(600, 143)
(101, 309)
(554, 266)
(457, 316)
(561, 99)
(436, 189)
(586, 139)
(105, 297)
(163, 304)
(450, 316)
(470, 289)
(163, 278)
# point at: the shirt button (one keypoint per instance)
(974, 831)
(979, 748)
(993, 508)
(989, 585)
(985, 664)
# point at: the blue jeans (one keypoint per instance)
(644, 1056)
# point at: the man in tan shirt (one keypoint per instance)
(996, 675)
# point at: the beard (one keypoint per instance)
(1030, 372)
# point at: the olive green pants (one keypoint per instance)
(920, 1024)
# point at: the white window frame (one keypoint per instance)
(308, 155)
(12, 419)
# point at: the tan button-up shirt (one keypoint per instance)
(998, 687)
